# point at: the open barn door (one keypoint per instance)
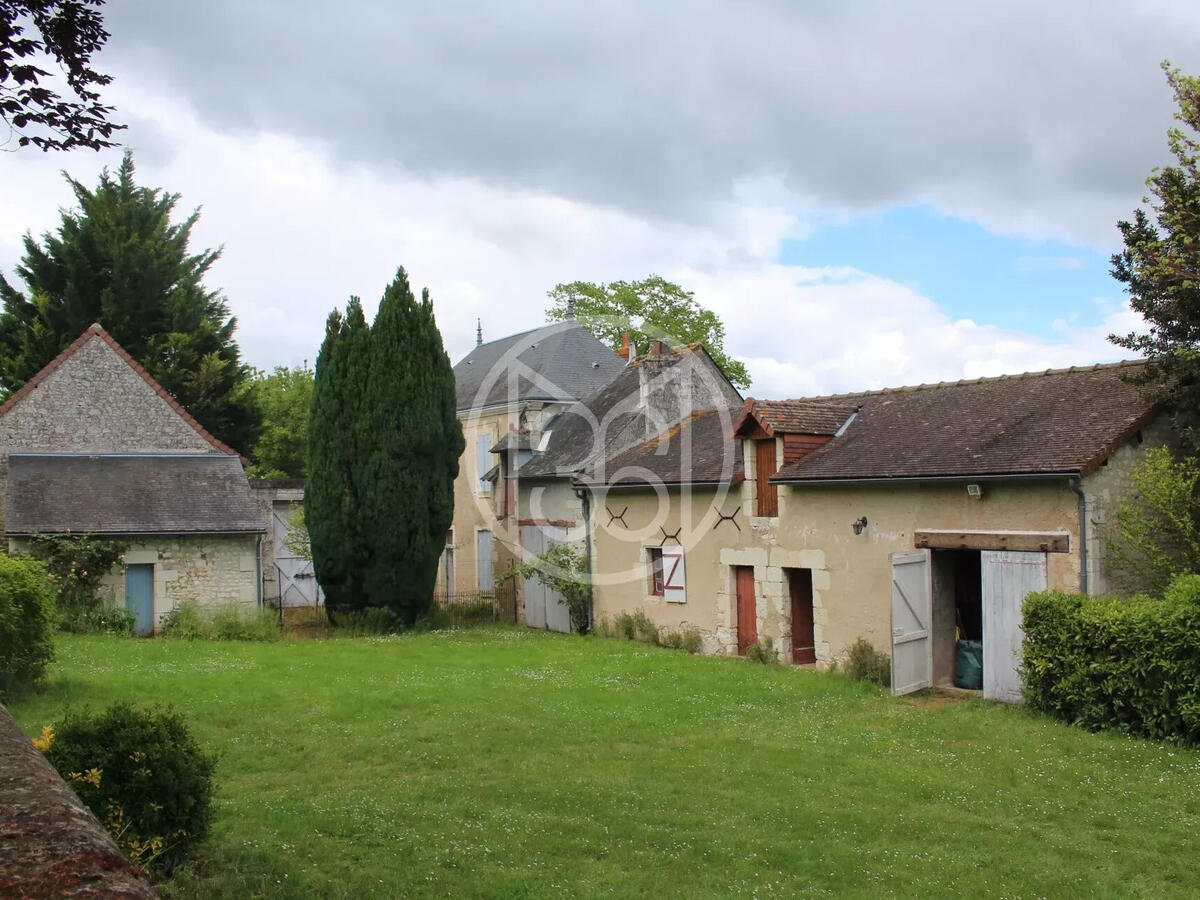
(912, 614)
(1009, 576)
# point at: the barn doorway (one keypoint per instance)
(975, 622)
(747, 626)
(800, 590)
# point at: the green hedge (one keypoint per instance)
(27, 616)
(1130, 663)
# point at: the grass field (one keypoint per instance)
(511, 763)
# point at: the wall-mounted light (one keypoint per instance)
(975, 492)
(859, 524)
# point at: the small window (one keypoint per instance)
(666, 574)
(656, 571)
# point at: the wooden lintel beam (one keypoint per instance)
(1032, 541)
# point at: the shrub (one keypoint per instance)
(864, 663)
(1131, 664)
(102, 618)
(142, 775)
(762, 651)
(78, 564)
(692, 640)
(26, 620)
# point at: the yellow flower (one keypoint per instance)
(43, 743)
(93, 777)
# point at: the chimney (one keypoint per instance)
(656, 349)
(624, 351)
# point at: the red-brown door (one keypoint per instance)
(804, 645)
(768, 494)
(747, 632)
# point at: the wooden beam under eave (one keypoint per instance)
(1029, 541)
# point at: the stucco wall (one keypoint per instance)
(475, 509)
(93, 401)
(851, 573)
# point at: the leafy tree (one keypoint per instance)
(331, 502)
(1160, 265)
(284, 398)
(69, 32)
(118, 260)
(413, 440)
(1156, 535)
(650, 309)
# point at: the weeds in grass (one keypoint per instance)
(625, 626)
(693, 641)
(762, 651)
(230, 622)
(864, 663)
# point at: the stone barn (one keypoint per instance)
(92, 444)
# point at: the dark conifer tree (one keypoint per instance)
(331, 502)
(118, 260)
(412, 444)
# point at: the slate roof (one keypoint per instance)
(796, 416)
(561, 361)
(1064, 421)
(512, 440)
(95, 332)
(698, 450)
(127, 494)
(615, 411)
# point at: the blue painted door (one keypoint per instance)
(139, 596)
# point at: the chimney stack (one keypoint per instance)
(624, 351)
(656, 349)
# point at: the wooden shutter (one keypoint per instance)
(764, 468)
(483, 461)
(674, 583)
(912, 613)
(1009, 576)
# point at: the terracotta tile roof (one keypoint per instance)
(795, 416)
(95, 331)
(130, 493)
(698, 450)
(1061, 421)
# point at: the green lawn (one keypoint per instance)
(512, 763)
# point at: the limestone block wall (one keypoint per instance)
(212, 570)
(93, 401)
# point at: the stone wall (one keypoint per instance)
(212, 570)
(93, 401)
(50, 843)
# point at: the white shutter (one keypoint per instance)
(912, 613)
(1009, 576)
(483, 461)
(674, 580)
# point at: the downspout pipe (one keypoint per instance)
(1075, 483)
(585, 498)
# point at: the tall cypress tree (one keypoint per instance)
(331, 498)
(118, 260)
(414, 441)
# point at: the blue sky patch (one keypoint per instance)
(966, 270)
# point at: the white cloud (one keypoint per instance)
(302, 233)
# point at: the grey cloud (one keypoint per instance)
(1051, 114)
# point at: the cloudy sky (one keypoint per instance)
(868, 193)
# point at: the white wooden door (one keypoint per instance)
(533, 542)
(294, 578)
(544, 608)
(912, 614)
(1009, 577)
(483, 561)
